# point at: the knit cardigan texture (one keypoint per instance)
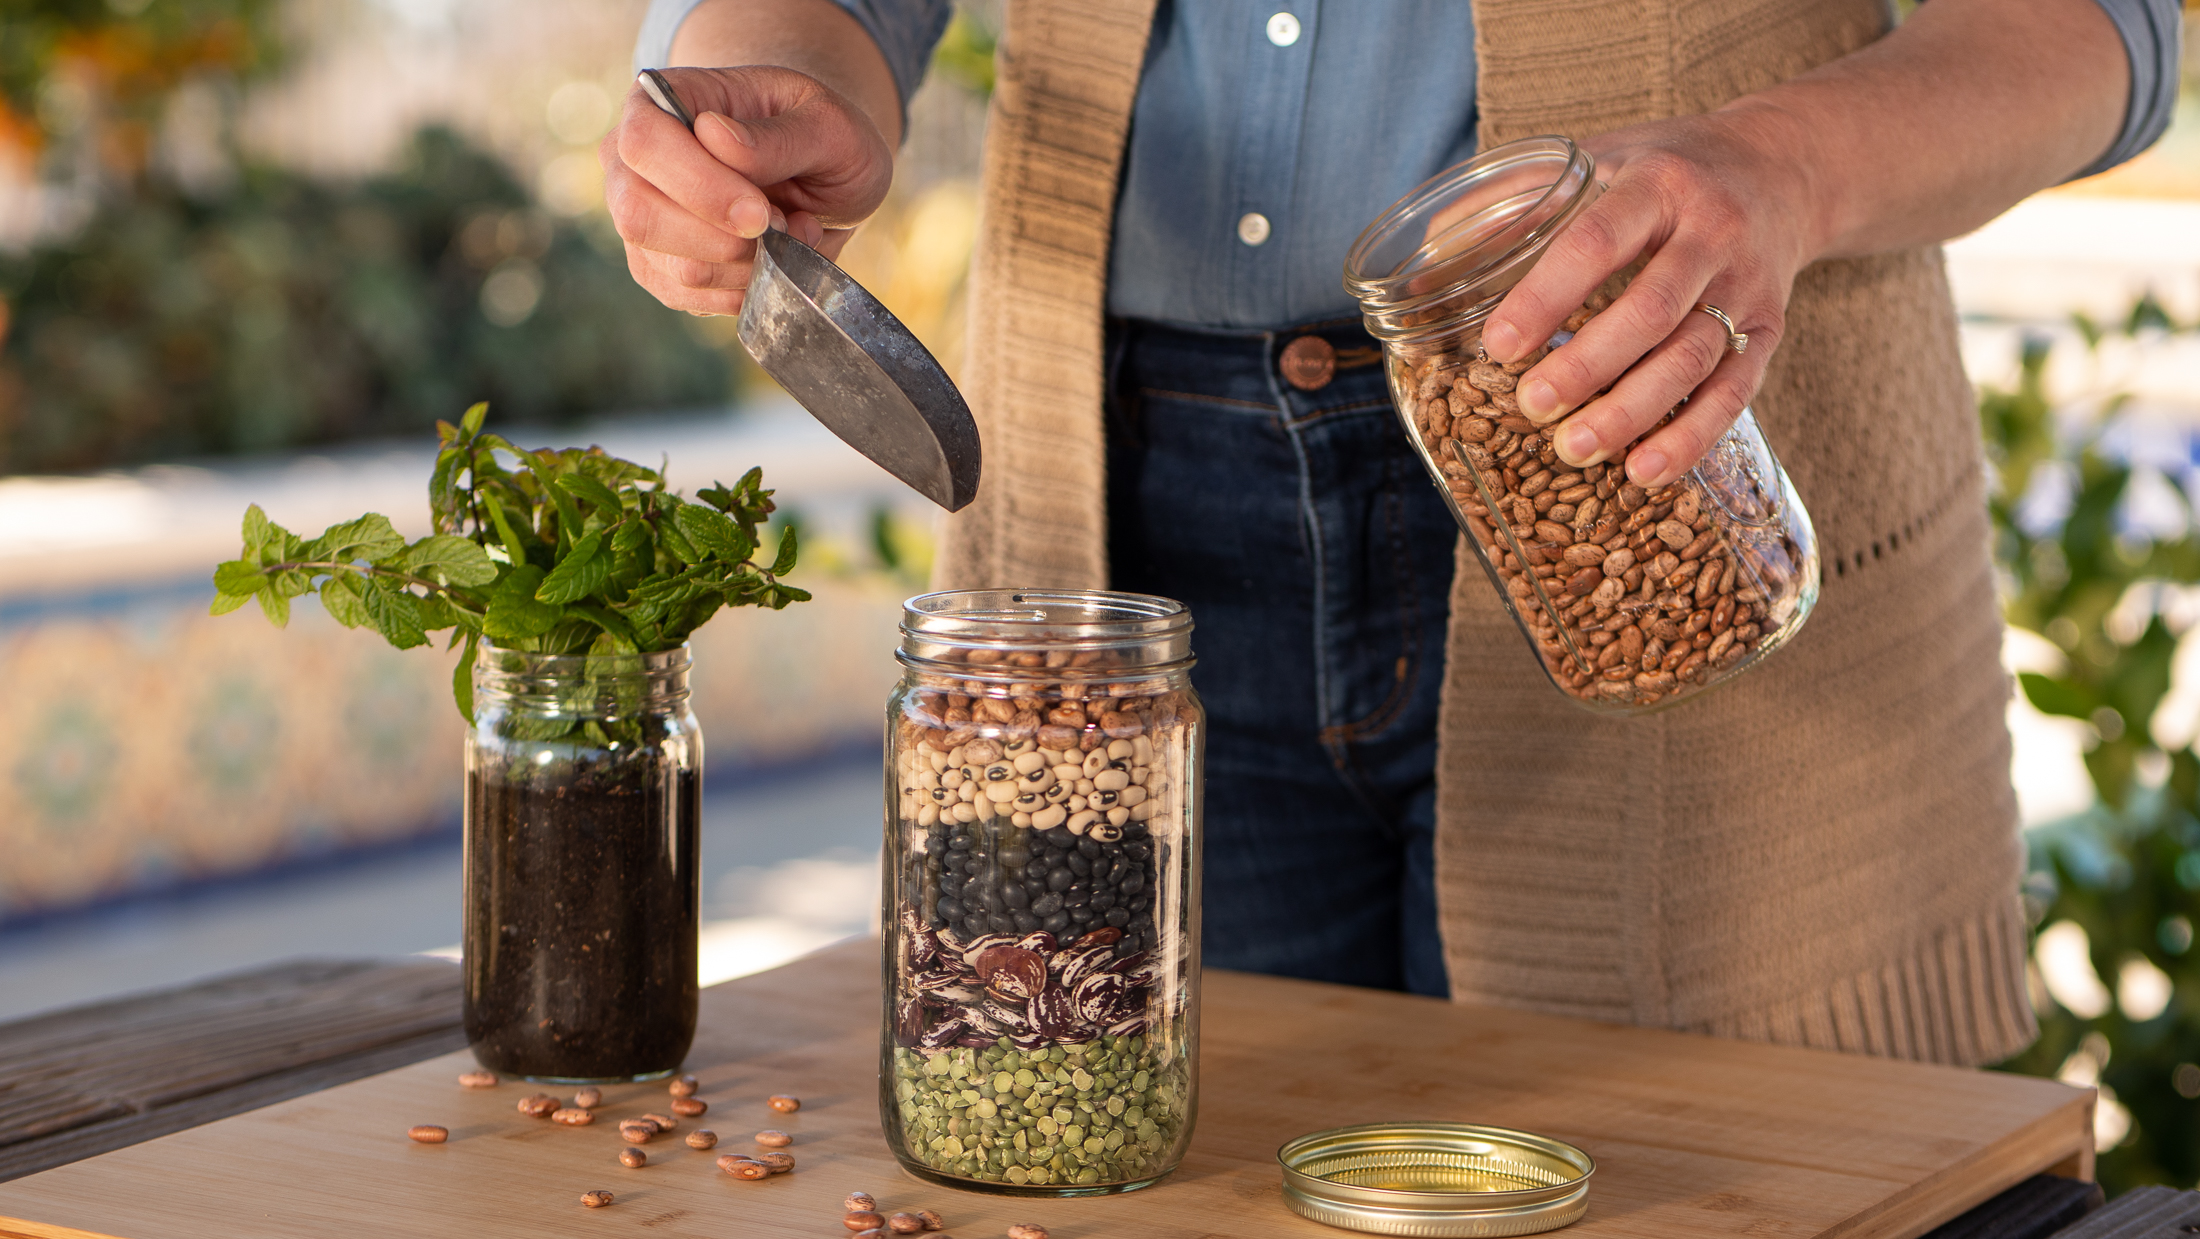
(1822, 852)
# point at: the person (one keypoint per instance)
(1821, 852)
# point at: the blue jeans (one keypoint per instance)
(1316, 559)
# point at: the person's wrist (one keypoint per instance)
(1790, 173)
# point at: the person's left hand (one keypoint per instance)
(1717, 219)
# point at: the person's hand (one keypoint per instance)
(772, 148)
(1717, 219)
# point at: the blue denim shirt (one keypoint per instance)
(1297, 121)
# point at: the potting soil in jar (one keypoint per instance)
(581, 959)
(1043, 949)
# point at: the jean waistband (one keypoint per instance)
(1225, 355)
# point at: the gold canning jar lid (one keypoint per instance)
(1436, 1179)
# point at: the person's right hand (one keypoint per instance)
(772, 148)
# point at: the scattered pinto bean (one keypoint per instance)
(595, 1200)
(743, 1167)
(777, 1163)
(634, 1132)
(863, 1219)
(683, 1086)
(573, 1116)
(689, 1107)
(904, 1223)
(702, 1138)
(931, 1220)
(1027, 1230)
(588, 1098)
(632, 1159)
(772, 1139)
(664, 1122)
(785, 1104)
(861, 1202)
(539, 1106)
(478, 1079)
(428, 1133)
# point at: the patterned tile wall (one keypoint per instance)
(145, 744)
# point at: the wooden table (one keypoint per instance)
(1693, 1136)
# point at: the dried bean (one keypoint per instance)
(664, 1122)
(702, 1138)
(774, 1139)
(573, 1116)
(931, 1220)
(777, 1163)
(904, 1223)
(478, 1079)
(588, 1098)
(689, 1107)
(595, 1200)
(864, 1219)
(539, 1106)
(745, 1168)
(1027, 1230)
(861, 1202)
(428, 1133)
(633, 1159)
(683, 1086)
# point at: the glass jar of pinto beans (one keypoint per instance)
(1042, 892)
(1633, 599)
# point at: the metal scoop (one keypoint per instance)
(850, 362)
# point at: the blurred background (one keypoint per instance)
(250, 251)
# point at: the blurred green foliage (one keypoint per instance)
(288, 311)
(2100, 587)
(135, 52)
(964, 55)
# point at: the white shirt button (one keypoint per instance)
(1252, 228)
(1283, 30)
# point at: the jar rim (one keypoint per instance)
(1126, 630)
(1516, 197)
(1044, 615)
(536, 665)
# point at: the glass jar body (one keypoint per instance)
(1041, 901)
(1632, 600)
(581, 853)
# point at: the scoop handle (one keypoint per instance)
(659, 89)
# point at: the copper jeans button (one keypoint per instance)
(1308, 363)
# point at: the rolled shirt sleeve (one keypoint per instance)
(2153, 39)
(905, 31)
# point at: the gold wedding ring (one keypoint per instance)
(1736, 340)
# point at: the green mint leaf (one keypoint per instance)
(395, 614)
(505, 534)
(455, 560)
(370, 537)
(710, 532)
(787, 594)
(462, 678)
(471, 422)
(225, 603)
(276, 606)
(582, 572)
(514, 615)
(592, 492)
(717, 496)
(257, 529)
(785, 562)
(2053, 696)
(340, 598)
(633, 553)
(241, 577)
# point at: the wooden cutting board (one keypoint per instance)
(1692, 1136)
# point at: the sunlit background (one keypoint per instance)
(250, 250)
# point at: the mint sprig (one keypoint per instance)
(566, 551)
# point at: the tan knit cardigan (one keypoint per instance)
(1821, 853)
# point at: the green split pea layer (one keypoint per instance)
(1100, 1112)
